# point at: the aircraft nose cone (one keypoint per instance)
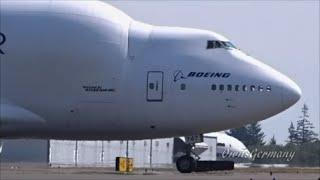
(291, 93)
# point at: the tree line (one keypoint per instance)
(303, 143)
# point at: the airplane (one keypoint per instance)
(85, 70)
(228, 148)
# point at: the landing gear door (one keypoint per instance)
(155, 86)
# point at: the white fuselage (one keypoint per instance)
(230, 148)
(85, 70)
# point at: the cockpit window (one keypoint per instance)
(228, 45)
(220, 44)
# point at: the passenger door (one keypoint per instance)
(155, 86)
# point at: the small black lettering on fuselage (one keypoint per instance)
(209, 74)
(97, 89)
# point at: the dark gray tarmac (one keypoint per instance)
(45, 173)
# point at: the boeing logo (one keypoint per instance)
(178, 75)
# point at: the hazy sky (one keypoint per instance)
(282, 34)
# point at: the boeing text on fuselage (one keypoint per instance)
(178, 75)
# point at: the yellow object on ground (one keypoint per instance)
(124, 164)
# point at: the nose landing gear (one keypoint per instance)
(186, 164)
